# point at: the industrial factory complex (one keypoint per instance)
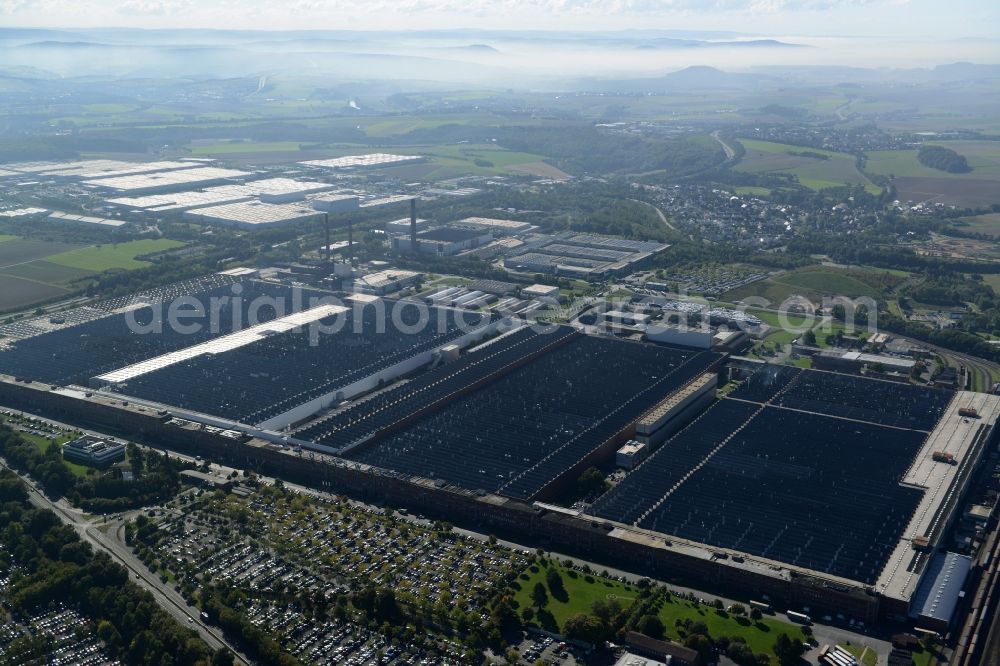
(830, 493)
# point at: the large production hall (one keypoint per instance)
(827, 490)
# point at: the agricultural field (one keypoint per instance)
(237, 147)
(993, 279)
(988, 225)
(918, 183)
(454, 160)
(98, 258)
(26, 277)
(34, 271)
(816, 173)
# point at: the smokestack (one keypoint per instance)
(326, 224)
(413, 225)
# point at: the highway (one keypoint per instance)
(113, 543)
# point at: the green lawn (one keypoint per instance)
(922, 657)
(828, 281)
(760, 635)
(106, 257)
(815, 282)
(753, 190)
(982, 156)
(816, 169)
(865, 655)
(773, 319)
(43, 444)
(581, 592)
(830, 328)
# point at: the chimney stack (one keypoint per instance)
(326, 224)
(413, 226)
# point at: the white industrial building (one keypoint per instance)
(630, 455)
(368, 161)
(269, 190)
(163, 181)
(402, 226)
(96, 168)
(540, 291)
(335, 203)
(254, 214)
(495, 226)
(386, 282)
(676, 410)
(57, 216)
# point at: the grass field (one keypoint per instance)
(988, 224)
(751, 190)
(816, 282)
(864, 654)
(581, 593)
(35, 271)
(106, 257)
(760, 635)
(993, 279)
(816, 173)
(26, 277)
(454, 160)
(236, 147)
(916, 182)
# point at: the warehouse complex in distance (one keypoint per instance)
(828, 492)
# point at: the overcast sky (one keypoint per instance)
(948, 19)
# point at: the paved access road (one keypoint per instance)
(110, 537)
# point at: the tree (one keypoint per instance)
(788, 650)
(223, 657)
(702, 645)
(590, 482)
(539, 597)
(605, 610)
(555, 583)
(136, 459)
(755, 614)
(809, 338)
(583, 627)
(651, 626)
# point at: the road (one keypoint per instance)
(90, 531)
(730, 151)
(663, 218)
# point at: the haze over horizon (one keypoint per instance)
(959, 19)
(545, 39)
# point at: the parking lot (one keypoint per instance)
(275, 545)
(57, 637)
(535, 647)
